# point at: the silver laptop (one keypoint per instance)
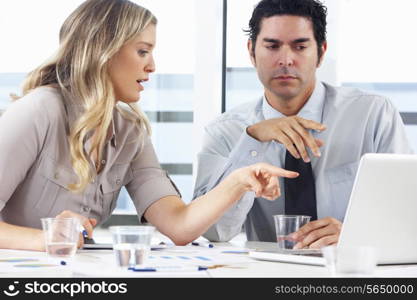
(382, 212)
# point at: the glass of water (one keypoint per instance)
(131, 244)
(61, 236)
(285, 225)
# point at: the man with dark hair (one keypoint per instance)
(299, 124)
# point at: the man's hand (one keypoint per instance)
(318, 234)
(292, 132)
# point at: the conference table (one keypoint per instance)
(224, 260)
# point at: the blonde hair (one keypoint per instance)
(89, 37)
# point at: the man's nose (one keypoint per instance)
(285, 58)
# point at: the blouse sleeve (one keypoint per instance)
(150, 182)
(23, 128)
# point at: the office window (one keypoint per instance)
(377, 54)
(370, 47)
(168, 96)
(30, 36)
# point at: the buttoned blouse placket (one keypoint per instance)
(91, 190)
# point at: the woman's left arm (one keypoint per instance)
(184, 223)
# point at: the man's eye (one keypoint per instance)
(300, 47)
(272, 47)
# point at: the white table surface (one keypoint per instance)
(101, 263)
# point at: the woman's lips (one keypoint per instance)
(140, 86)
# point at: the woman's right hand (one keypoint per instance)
(87, 223)
(262, 178)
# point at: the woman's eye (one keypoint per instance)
(143, 52)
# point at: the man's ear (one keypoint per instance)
(323, 52)
(251, 52)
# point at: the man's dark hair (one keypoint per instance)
(313, 10)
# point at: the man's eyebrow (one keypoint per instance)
(277, 41)
(269, 40)
(301, 40)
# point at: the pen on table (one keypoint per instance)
(202, 244)
(87, 240)
(236, 251)
(161, 246)
(169, 269)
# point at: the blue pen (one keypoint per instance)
(208, 245)
(89, 241)
(236, 251)
(169, 269)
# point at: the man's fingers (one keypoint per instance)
(297, 140)
(307, 228)
(320, 243)
(319, 142)
(307, 137)
(310, 124)
(289, 145)
(309, 140)
(318, 234)
(325, 241)
(316, 230)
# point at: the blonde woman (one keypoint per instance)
(68, 145)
